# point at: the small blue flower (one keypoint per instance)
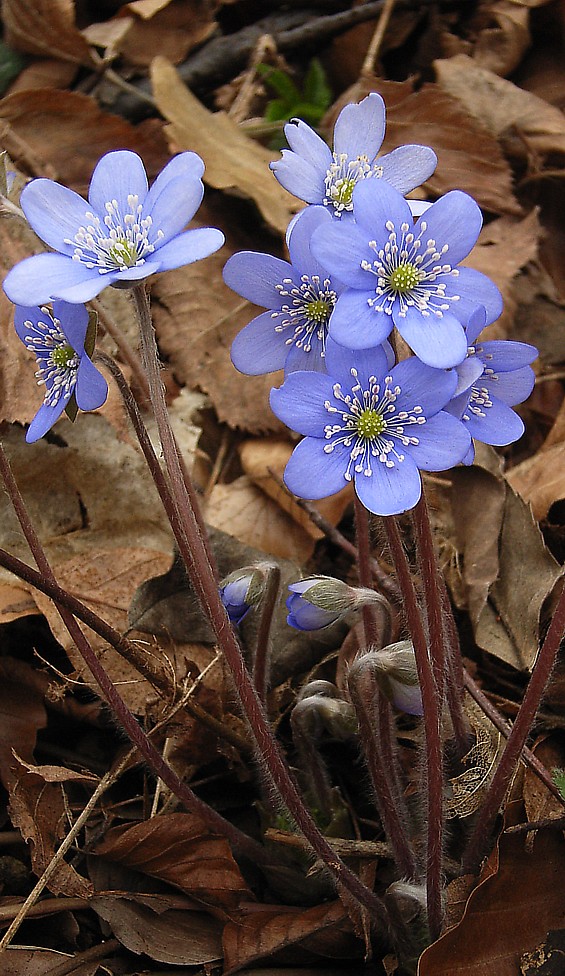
(370, 424)
(242, 590)
(312, 172)
(57, 340)
(318, 601)
(124, 233)
(406, 275)
(300, 297)
(493, 378)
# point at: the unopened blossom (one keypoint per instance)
(312, 172)
(242, 590)
(396, 672)
(123, 234)
(405, 274)
(369, 424)
(300, 297)
(57, 339)
(319, 601)
(495, 376)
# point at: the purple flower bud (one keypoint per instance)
(318, 601)
(242, 590)
(397, 675)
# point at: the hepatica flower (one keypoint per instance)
(493, 378)
(124, 233)
(405, 274)
(312, 172)
(369, 424)
(300, 297)
(57, 339)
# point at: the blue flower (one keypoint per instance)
(369, 424)
(57, 339)
(403, 274)
(318, 601)
(242, 590)
(300, 297)
(124, 233)
(312, 172)
(493, 378)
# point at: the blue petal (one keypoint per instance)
(408, 166)
(175, 195)
(503, 355)
(467, 372)
(512, 387)
(354, 324)
(341, 248)
(313, 473)
(455, 220)
(439, 342)
(55, 213)
(360, 129)
(117, 175)
(299, 403)
(299, 177)
(186, 248)
(43, 277)
(74, 323)
(258, 348)
(305, 616)
(376, 203)
(44, 419)
(476, 323)
(299, 240)
(443, 442)
(23, 314)
(254, 276)
(423, 386)
(499, 425)
(308, 144)
(300, 360)
(91, 388)
(475, 289)
(389, 491)
(367, 362)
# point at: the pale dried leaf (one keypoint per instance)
(172, 29)
(234, 162)
(540, 479)
(244, 511)
(46, 28)
(501, 45)
(502, 107)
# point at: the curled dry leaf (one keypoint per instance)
(180, 849)
(46, 28)
(503, 108)
(507, 568)
(234, 162)
(519, 899)
(172, 29)
(501, 45)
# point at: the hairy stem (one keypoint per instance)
(261, 658)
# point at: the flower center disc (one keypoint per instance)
(124, 253)
(404, 278)
(343, 191)
(370, 423)
(63, 356)
(318, 310)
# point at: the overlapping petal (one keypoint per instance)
(299, 402)
(443, 442)
(439, 342)
(313, 473)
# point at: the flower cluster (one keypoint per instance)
(364, 268)
(122, 235)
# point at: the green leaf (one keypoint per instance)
(559, 780)
(281, 83)
(316, 88)
(11, 63)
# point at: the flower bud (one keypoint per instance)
(318, 601)
(242, 590)
(397, 675)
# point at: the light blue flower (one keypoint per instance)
(405, 274)
(312, 172)
(300, 297)
(369, 424)
(124, 233)
(242, 590)
(57, 339)
(494, 377)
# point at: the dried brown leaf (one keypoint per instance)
(509, 912)
(46, 28)
(324, 930)
(39, 810)
(180, 849)
(244, 511)
(234, 162)
(22, 713)
(171, 28)
(173, 935)
(501, 45)
(40, 962)
(502, 107)
(67, 133)
(540, 479)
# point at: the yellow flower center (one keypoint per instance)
(404, 278)
(318, 310)
(62, 356)
(370, 423)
